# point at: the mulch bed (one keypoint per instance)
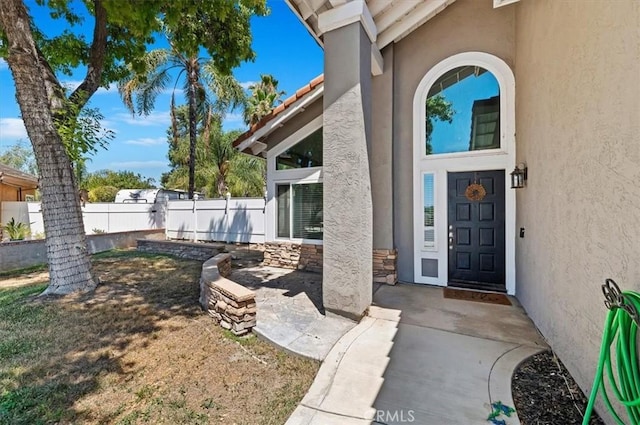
(545, 393)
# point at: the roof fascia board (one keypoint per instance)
(377, 62)
(500, 3)
(348, 13)
(298, 106)
(417, 17)
(296, 12)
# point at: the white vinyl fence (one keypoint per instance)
(102, 217)
(228, 220)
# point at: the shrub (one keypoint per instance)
(16, 230)
(103, 194)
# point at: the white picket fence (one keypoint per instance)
(100, 217)
(229, 220)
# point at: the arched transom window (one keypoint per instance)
(463, 112)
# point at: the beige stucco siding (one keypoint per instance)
(464, 26)
(578, 129)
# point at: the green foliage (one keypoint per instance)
(219, 167)
(20, 156)
(118, 179)
(16, 230)
(438, 108)
(264, 97)
(103, 194)
(220, 27)
(81, 131)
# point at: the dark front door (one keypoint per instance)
(476, 230)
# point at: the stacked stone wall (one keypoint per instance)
(233, 306)
(308, 257)
(385, 266)
(187, 250)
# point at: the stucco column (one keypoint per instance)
(348, 211)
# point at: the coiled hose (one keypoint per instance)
(621, 327)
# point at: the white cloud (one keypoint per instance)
(162, 118)
(147, 141)
(113, 88)
(74, 84)
(233, 118)
(3, 64)
(12, 128)
(245, 84)
(137, 164)
(71, 84)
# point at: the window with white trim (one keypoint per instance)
(428, 203)
(307, 153)
(299, 211)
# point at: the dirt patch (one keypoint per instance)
(137, 350)
(34, 278)
(544, 393)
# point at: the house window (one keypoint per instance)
(305, 154)
(463, 112)
(428, 205)
(299, 211)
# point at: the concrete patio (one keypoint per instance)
(417, 357)
(290, 312)
(421, 358)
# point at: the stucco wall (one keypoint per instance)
(20, 254)
(466, 25)
(381, 154)
(578, 127)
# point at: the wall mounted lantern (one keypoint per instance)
(519, 176)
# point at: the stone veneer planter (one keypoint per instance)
(308, 257)
(233, 306)
(180, 249)
(385, 268)
(293, 256)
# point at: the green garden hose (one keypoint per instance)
(621, 327)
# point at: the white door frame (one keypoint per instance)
(439, 165)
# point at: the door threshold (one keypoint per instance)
(498, 289)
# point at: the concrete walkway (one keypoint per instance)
(420, 358)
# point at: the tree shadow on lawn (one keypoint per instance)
(56, 350)
(138, 349)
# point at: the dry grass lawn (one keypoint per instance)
(137, 350)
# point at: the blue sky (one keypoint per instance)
(283, 46)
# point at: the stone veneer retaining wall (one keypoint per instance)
(308, 257)
(180, 249)
(233, 306)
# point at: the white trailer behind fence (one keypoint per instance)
(97, 217)
(228, 220)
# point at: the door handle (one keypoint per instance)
(450, 240)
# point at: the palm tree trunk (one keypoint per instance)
(69, 262)
(193, 81)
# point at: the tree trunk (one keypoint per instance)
(69, 262)
(192, 75)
